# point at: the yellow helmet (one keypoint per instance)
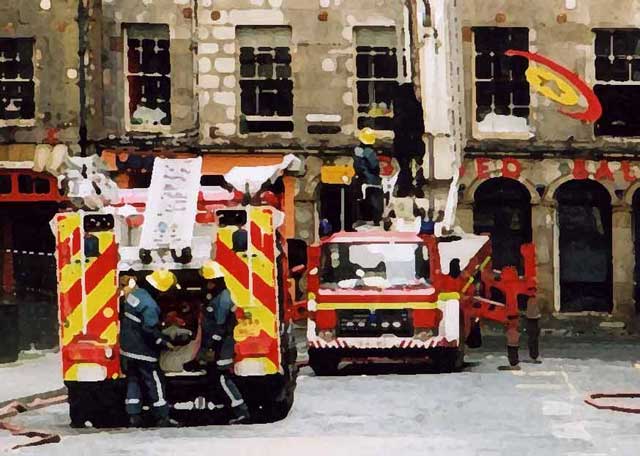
(162, 280)
(211, 270)
(367, 136)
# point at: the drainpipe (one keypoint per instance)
(83, 28)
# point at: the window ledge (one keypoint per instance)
(618, 139)
(267, 118)
(150, 129)
(25, 123)
(522, 135)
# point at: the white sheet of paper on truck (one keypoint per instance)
(172, 203)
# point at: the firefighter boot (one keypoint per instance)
(135, 421)
(167, 422)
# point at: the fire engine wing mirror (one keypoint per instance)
(297, 256)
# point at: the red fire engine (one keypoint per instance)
(246, 240)
(403, 295)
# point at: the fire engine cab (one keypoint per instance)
(400, 295)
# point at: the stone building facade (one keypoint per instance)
(541, 165)
(246, 78)
(39, 112)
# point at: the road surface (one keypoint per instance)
(391, 410)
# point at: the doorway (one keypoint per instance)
(584, 222)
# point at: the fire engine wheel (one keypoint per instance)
(323, 362)
(97, 404)
(451, 359)
(448, 360)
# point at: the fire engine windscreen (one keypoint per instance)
(350, 266)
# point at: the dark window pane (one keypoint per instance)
(508, 87)
(25, 184)
(604, 69)
(620, 114)
(620, 70)
(519, 39)
(484, 93)
(41, 186)
(283, 55)
(385, 65)
(521, 96)
(603, 43)
(5, 184)
(625, 42)
(16, 63)
(520, 112)
(363, 66)
(484, 66)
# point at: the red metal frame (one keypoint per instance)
(15, 196)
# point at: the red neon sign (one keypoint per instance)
(594, 108)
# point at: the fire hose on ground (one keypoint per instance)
(591, 400)
(17, 407)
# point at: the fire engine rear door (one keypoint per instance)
(246, 251)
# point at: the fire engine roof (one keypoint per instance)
(373, 237)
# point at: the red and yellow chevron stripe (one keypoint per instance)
(256, 294)
(88, 301)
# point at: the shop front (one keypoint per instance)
(582, 216)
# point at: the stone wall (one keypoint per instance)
(53, 26)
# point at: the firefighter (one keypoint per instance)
(367, 168)
(140, 343)
(533, 326)
(219, 322)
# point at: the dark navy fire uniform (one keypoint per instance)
(218, 324)
(141, 341)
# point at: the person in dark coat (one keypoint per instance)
(218, 324)
(367, 168)
(140, 344)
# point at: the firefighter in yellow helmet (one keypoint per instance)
(140, 344)
(219, 322)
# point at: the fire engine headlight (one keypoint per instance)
(396, 324)
(312, 305)
(423, 334)
(385, 324)
(327, 335)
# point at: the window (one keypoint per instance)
(266, 88)
(501, 88)
(5, 184)
(148, 73)
(377, 76)
(16, 79)
(618, 81)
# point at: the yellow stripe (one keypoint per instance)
(260, 264)
(258, 311)
(69, 275)
(111, 333)
(376, 305)
(66, 225)
(448, 296)
(96, 300)
(480, 267)
(262, 218)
